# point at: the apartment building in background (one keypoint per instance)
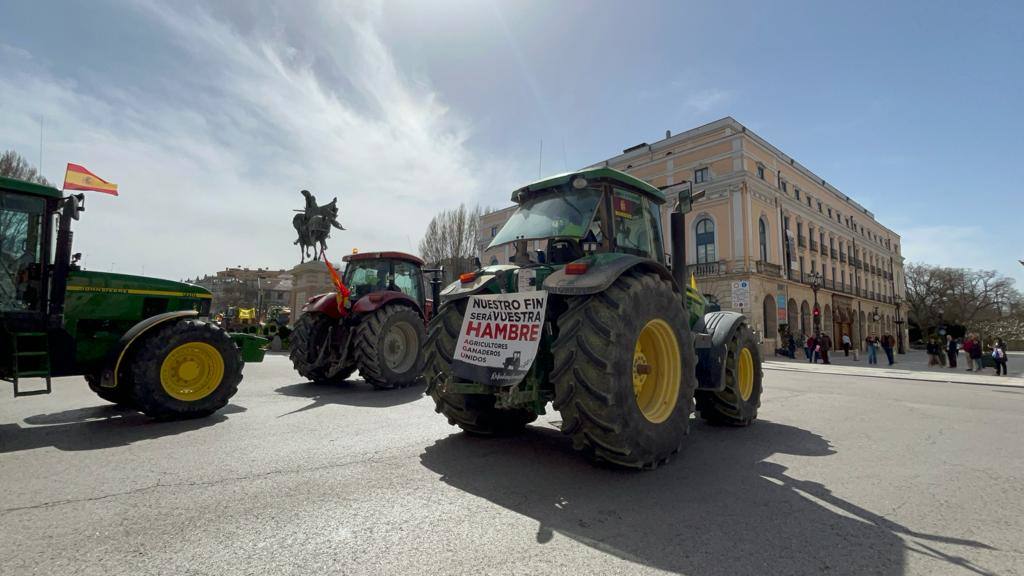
(769, 238)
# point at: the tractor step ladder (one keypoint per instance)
(31, 360)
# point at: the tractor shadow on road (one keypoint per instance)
(349, 393)
(719, 508)
(97, 428)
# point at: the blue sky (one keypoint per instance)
(212, 116)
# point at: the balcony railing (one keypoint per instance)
(835, 253)
(706, 269)
(842, 256)
(768, 268)
(824, 250)
(802, 242)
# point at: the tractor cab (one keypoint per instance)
(385, 272)
(571, 216)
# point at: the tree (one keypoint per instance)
(957, 296)
(13, 165)
(451, 240)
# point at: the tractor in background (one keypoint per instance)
(626, 348)
(141, 342)
(379, 330)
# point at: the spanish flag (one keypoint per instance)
(343, 293)
(78, 178)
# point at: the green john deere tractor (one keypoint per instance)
(138, 341)
(626, 349)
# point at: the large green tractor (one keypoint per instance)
(138, 341)
(625, 350)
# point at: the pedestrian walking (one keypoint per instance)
(871, 346)
(826, 345)
(887, 343)
(951, 350)
(968, 347)
(791, 345)
(976, 352)
(934, 352)
(999, 355)
(847, 343)
(811, 343)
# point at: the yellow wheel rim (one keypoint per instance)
(192, 371)
(745, 374)
(657, 369)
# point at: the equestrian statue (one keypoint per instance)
(313, 224)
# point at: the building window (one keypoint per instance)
(494, 231)
(760, 172)
(785, 222)
(808, 201)
(799, 229)
(796, 191)
(700, 175)
(819, 206)
(829, 213)
(762, 236)
(785, 187)
(801, 266)
(705, 241)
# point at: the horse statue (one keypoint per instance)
(313, 225)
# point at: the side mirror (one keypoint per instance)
(75, 205)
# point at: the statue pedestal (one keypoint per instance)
(309, 279)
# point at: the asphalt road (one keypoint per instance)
(843, 475)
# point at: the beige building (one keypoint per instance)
(770, 238)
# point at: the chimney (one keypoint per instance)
(668, 134)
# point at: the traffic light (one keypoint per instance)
(817, 311)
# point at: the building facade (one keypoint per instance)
(773, 240)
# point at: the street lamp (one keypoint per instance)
(899, 325)
(815, 286)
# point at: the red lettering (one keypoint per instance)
(488, 331)
(533, 332)
(473, 329)
(500, 331)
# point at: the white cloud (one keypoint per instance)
(211, 158)
(708, 99)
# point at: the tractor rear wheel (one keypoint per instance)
(310, 334)
(624, 371)
(389, 347)
(121, 395)
(474, 413)
(737, 403)
(185, 369)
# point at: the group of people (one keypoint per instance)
(886, 342)
(939, 354)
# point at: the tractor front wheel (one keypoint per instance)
(474, 413)
(737, 403)
(308, 339)
(389, 347)
(185, 369)
(624, 371)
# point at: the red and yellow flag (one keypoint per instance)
(78, 178)
(342, 294)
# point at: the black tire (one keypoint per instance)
(594, 370)
(122, 395)
(148, 393)
(728, 406)
(308, 336)
(474, 413)
(389, 347)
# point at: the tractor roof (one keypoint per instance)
(24, 187)
(593, 174)
(383, 256)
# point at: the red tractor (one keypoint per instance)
(382, 333)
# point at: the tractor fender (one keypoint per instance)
(458, 290)
(711, 360)
(112, 365)
(376, 300)
(325, 304)
(602, 271)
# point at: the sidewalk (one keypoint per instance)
(910, 366)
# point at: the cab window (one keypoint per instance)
(21, 224)
(632, 228)
(407, 279)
